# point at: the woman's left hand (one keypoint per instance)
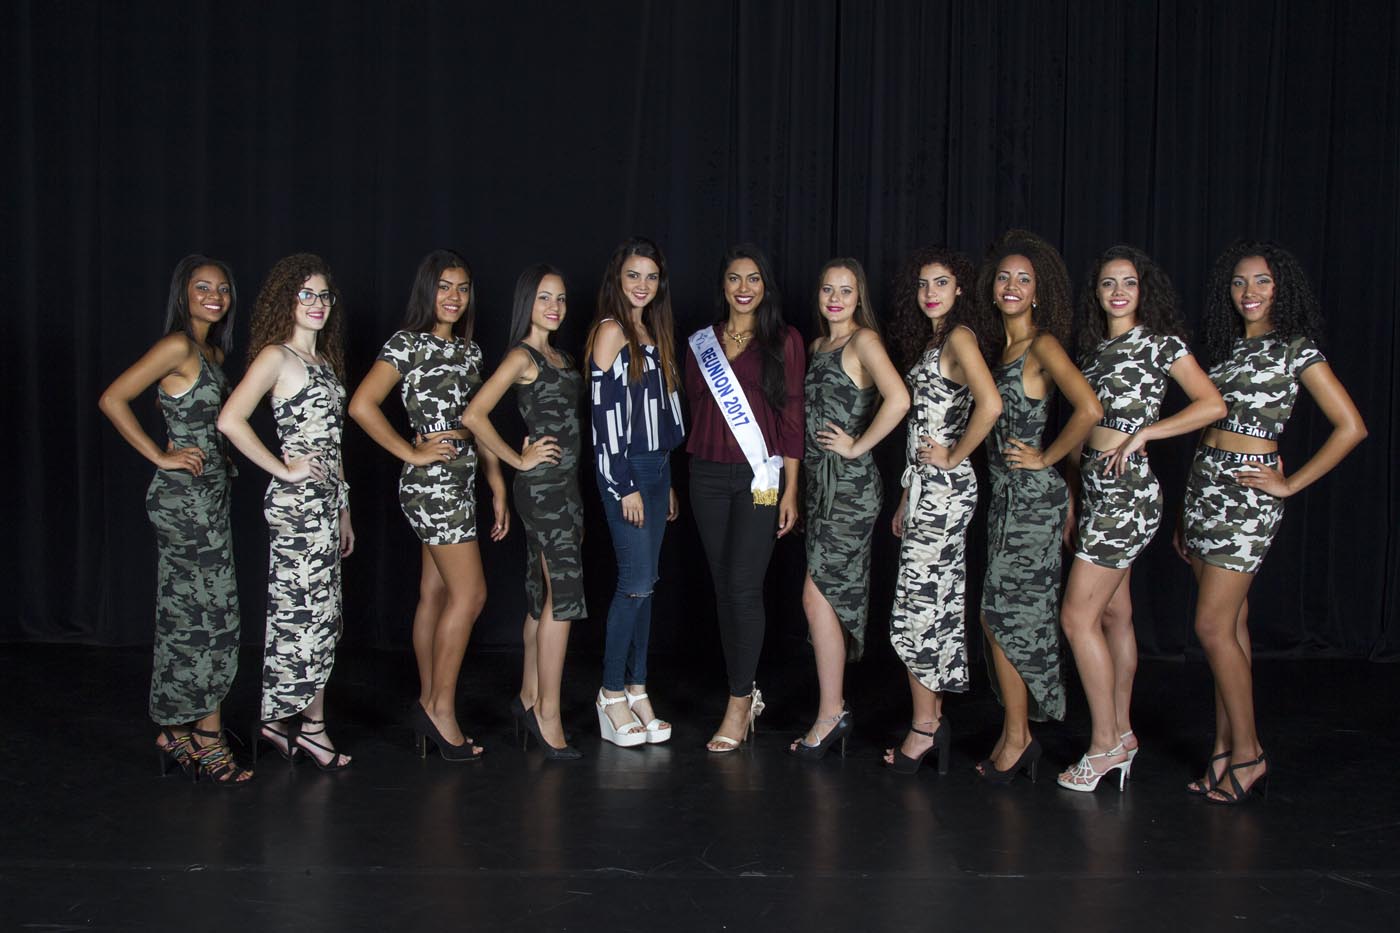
(347, 534)
(837, 441)
(1118, 457)
(501, 513)
(1022, 456)
(1265, 478)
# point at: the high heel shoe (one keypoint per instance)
(1029, 762)
(725, 743)
(298, 736)
(840, 732)
(1083, 777)
(942, 741)
(1237, 794)
(518, 711)
(263, 733)
(214, 762)
(425, 731)
(176, 753)
(1123, 741)
(658, 730)
(629, 734)
(532, 727)
(1202, 786)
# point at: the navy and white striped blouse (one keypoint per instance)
(652, 421)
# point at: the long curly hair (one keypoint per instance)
(614, 306)
(1158, 308)
(770, 327)
(909, 327)
(1295, 311)
(177, 305)
(274, 313)
(1052, 309)
(421, 313)
(865, 309)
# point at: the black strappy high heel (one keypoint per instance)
(840, 732)
(297, 736)
(1202, 786)
(942, 741)
(1237, 794)
(177, 752)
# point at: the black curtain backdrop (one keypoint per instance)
(135, 133)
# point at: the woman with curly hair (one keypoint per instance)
(297, 357)
(548, 389)
(1131, 343)
(937, 334)
(197, 619)
(1261, 325)
(853, 400)
(744, 377)
(1024, 278)
(637, 422)
(439, 366)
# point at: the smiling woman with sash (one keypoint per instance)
(743, 376)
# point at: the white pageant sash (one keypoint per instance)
(734, 405)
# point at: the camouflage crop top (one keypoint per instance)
(439, 378)
(1259, 383)
(1129, 374)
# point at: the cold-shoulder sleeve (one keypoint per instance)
(608, 403)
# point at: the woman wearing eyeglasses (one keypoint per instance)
(297, 359)
(439, 366)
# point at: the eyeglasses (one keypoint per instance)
(307, 297)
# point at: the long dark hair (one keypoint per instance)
(909, 327)
(177, 305)
(770, 327)
(1158, 304)
(1052, 308)
(613, 306)
(1295, 310)
(526, 287)
(421, 313)
(865, 311)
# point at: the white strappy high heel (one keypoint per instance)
(1082, 776)
(630, 734)
(658, 731)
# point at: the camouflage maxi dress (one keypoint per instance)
(303, 521)
(196, 638)
(927, 618)
(1021, 589)
(547, 497)
(842, 496)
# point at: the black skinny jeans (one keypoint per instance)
(738, 538)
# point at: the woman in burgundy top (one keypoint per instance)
(738, 533)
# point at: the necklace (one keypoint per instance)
(740, 339)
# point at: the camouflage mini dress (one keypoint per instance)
(1225, 523)
(437, 379)
(1120, 514)
(926, 620)
(842, 496)
(1021, 588)
(303, 520)
(548, 497)
(196, 638)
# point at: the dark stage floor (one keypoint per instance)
(669, 837)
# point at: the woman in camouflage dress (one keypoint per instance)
(297, 359)
(1261, 325)
(1025, 280)
(439, 367)
(955, 405)
(1131, 345)
(848, 371)
(549, 389)
(197, 620)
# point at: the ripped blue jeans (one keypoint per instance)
(638, 551)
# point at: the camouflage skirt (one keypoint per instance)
(1021, 589)
(926, 620)
(439, 499)
(551, 509)
(842, 503)
(303, 593)
(1119, 514)
(196, 638)
(1224, 523)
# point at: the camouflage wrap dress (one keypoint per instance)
(842, 496)
(1225, 523)
(1119, 514)
(926, 620)
(196, 637)
(303, 521)
(548, 497)
(1021, 588)
(437, 379)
